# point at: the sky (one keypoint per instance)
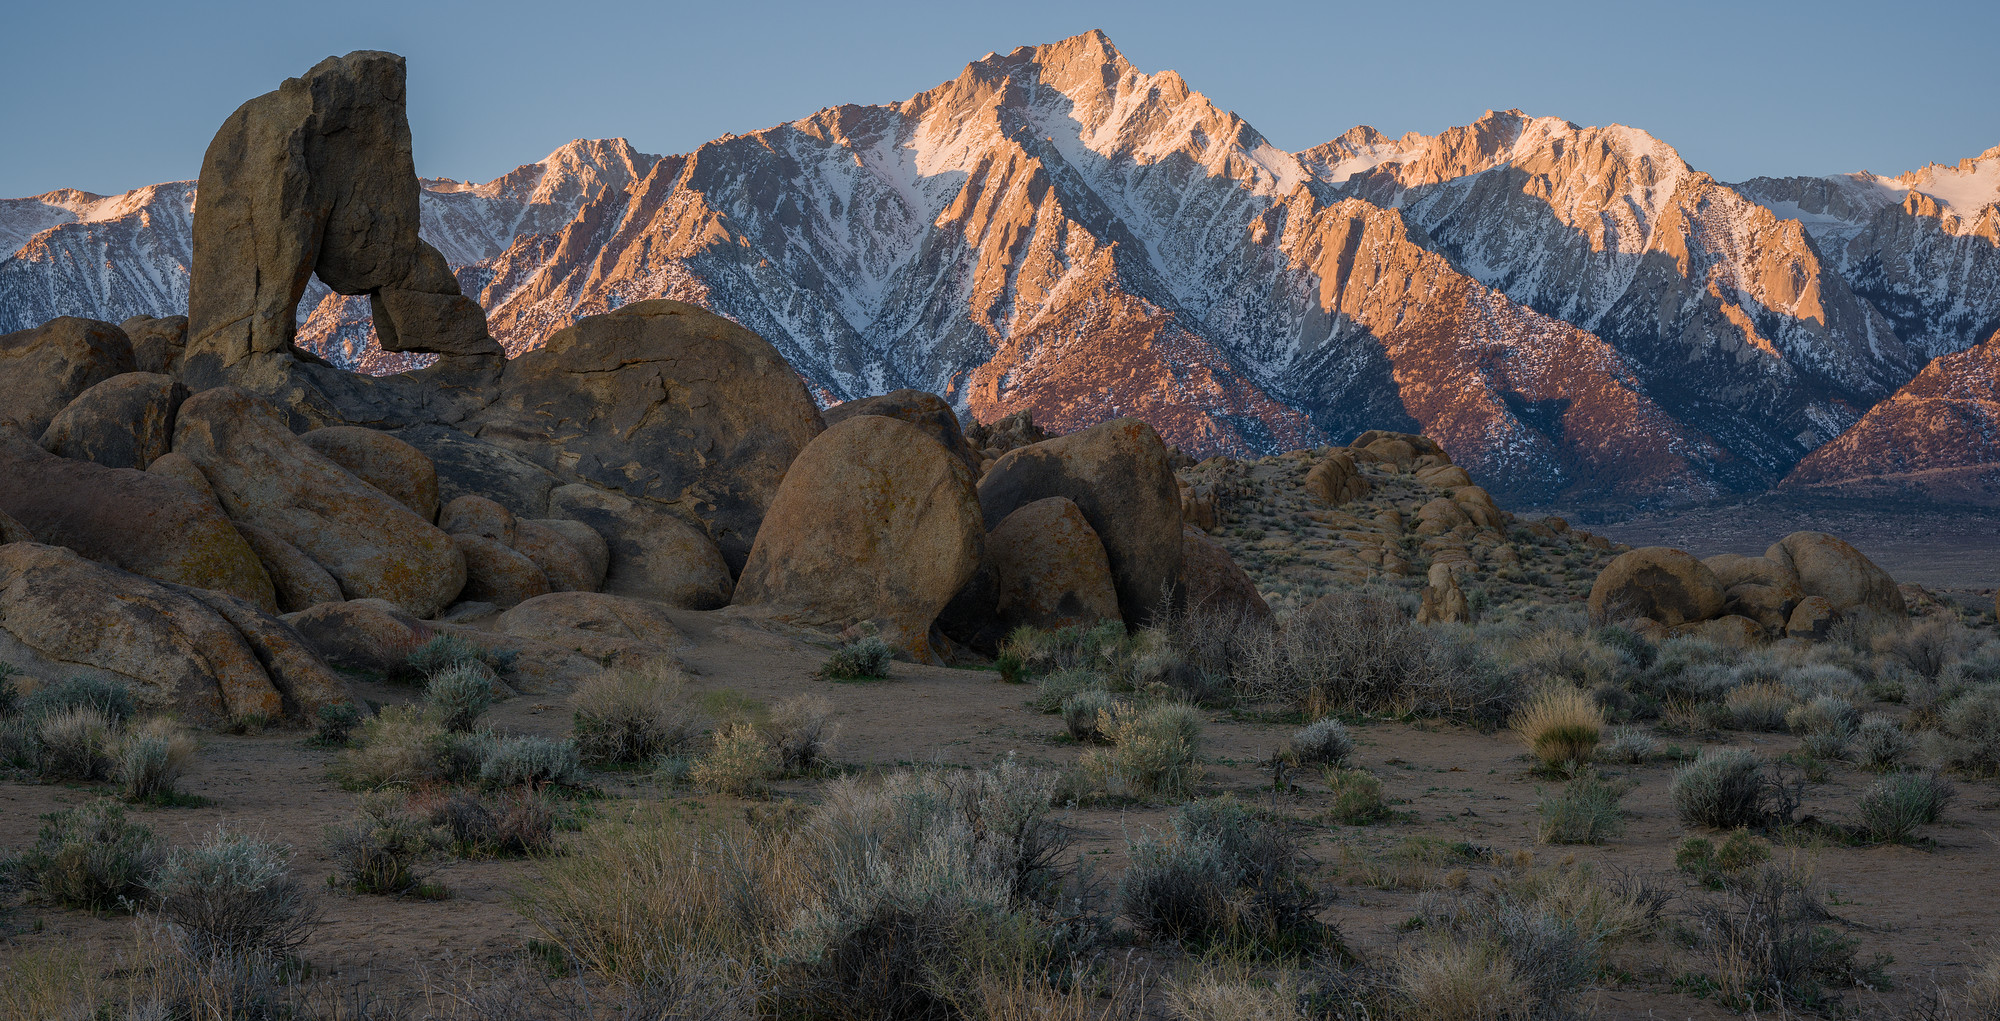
(114, 95)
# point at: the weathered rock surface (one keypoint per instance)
(476, 515)
(1213, 582)
(1759, 588)
(157, 342)
(372, 635)
(13, 531)
(1827, 566)
(173, 648)
(1812, 619)
(1658, 583)
(567, 568)
(177, 468)
(875, 521)
(469, 467)
(1336, 480)
(653, 553)
(495, 573)
(316, 179)
(372, 545)
(608, 629)
(382, 461)
(133, 520)
(1044, 567)
(590, 545)
(45, 368)
(926, 411)
(663, 401)
(126, 421)
(1117, 475)
(300, 583)
(304, 683)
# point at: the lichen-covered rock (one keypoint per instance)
(875, 521)
(371, 635)
(1444, 476)
(1658, 583)
(177, 652)
(476, 515)
(126, 421)
(587, 543)
(177, 468)
(1212, 582)
(661, 401)
(1812, 619)
(1439, 516)
(1827, 566)
(1336, 479)
(1479, 507)
(303, 682)
(133, 520)
(653, 552)
(567, 568)
(382, 461)
(1730, 631)
(495, 573)
(608, 629)
(1117, 475)
(157, 342)
(44, 368)
(300, 583)
(371, 544)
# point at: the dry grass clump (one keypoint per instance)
(1083, 711)
(152, 758)
(1771, 943)
(459, 695)
(631, 715)
(1357, 796)
(1155, 751)
(1628, 746)
(800, 733)
(1230, 995)
(739, 763)
(1571, 654)
(1759, 706)
(1824, 723)
(1498, 954)
(1968, 733)
(91, 857)
(399, 744)
(1224, 878)
(1586, 812)
(516, 824)
(1723, 788)
(75, 743)
(1561, 725)
(1893, 807)
(111, 699)
(385, 850)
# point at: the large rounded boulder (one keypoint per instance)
(664, 401)
(926, 411)
(368, 541)
(138, 521)
(1213, 583)
(1829, 567)
(875, 522)
(126, 421)
(1662, 584)
(608, 629)
(44, 368)
(1759, 588)
(1117, 474)
(650, 551)
(382, 461)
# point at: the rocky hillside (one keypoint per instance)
(1575, 312)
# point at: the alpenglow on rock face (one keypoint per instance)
(1574, 311)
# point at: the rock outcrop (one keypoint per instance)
(926, 411)
(1211, 582)
(875, 522)
(371, 544)
(650, 551)
(1117, 475)
(1658, 583)
(44, 368)
(316, 179)
(157, 342)
(1043, 566)
(1336, 480)
(1829, 567)
(382, 461)
(609, 629)
(126, 421)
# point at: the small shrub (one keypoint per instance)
(1155, 752)
(75, 743)
(1968, 737)
(800, 732)
(634, 715)
(1759, 706)
(1560, 725)
(1824, 723)
(1628, 746)
(518, 824)
(232, 896)
(1893, 808)
(90, 857)
(865, 658)
(1054, 690)
(334, 724)
(459, 695)
(1586, 812)
(1723, 788)
(1449, 980)
(1357, 796)
(1224, 878)
(1012, 669)
(109, 698)
(1360, 653)
(1926, 647)
(530, 760)
(1496, 956)
(450, 652)
(152, 758)
(1323, 742)
(1770, 944)
(1879, 743)
(10, 692)
(400, 744)
(738, 764)
(1083, 711)
(1715, 867)
(382, 852)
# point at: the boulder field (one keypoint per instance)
(1801, 586)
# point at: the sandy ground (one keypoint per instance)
(1928, 907)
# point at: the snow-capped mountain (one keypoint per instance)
(1575, 311)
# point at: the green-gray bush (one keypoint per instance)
(1083, 714)
(449, 651)
(1323, 742)
(1968, 737)
(1893, 808)
(383, 851)
(109, 698)
(91, 857)
(10, 691)
(1824, 724)
(151, 761)
(517, 761)
(335, 723)
(233, 895)
(74, 743)
(1770, 944)
(800, 731)
(1879, 743)
(1628, 746)
(1055, 689)
(865, 658)
(1586, 812)
(459, 695)
(1722, 788)
(1225, 877)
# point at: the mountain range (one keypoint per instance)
(1575, 312)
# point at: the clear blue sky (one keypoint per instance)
(113, 95)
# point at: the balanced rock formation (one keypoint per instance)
(137, 521)
(316, 179)
(1117, 475)
(126, 421)
(208, 656)
(663, 401)
(1665, 585)
(371, 544)
(43, 369)
(1828, 566)
(875, 522)
(1759, 588)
